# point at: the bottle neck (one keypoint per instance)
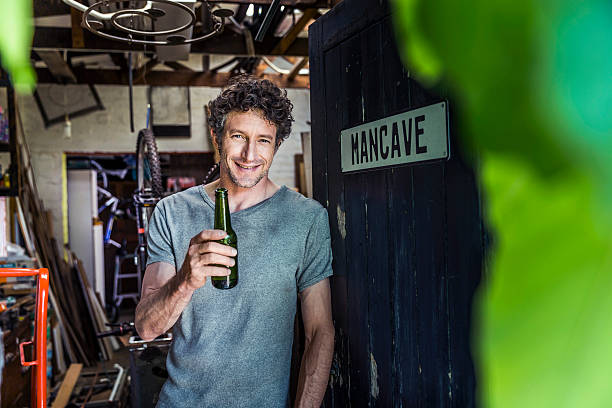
(222, 213)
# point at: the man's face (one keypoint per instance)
(248, 147)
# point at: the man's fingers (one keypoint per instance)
(217, 271)
(208, 235)
(216, 259)
(217, 248)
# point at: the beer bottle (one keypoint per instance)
(223, 222)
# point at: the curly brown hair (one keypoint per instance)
(244, 93)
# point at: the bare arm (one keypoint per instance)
(319, 347)
(163, 299)
(166, 293)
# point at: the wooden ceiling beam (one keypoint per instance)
(177, 66)
(292, 35)
(261, 67)
(45, 8)
(165, 78)
(296, 69)
(226, 43)
(120, 61)
(141, 73)
(57, 66)
(77, 31)
(300, 4)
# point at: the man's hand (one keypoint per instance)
(205, 257)
(166, 293)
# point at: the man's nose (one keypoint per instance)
(249, 151)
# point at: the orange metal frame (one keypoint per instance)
(39, 372)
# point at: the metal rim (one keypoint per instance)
(224, 13)
(176, 39)
(97, 23)
(123, 28)
(218, 27)
(155, 12)
(126, 13)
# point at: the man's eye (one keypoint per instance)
(237, 136)
(264, 140)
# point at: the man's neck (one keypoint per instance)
(240, 198)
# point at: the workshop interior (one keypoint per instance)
(461, 151)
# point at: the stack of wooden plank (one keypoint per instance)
(77, 308)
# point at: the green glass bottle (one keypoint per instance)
(223, 222)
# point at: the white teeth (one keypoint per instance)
(245, 167)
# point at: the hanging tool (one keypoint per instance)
(148, 116)
(131, 83)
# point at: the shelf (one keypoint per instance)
(5, 147)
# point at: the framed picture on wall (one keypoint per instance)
(170, 111)
(57, 103)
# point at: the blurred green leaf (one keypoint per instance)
(16, 31)
(417, 51)
(524, 75)
(575, 83)
(545, 312)
(533, 86)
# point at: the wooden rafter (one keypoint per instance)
(76, 29)
(120, 61)
(58, 67)
(45, 8)
(141, 73)
(165, 78)
(300, 4)
(227, 43)
(259, 70)
(177, 66)
(292, 35)
(296, 69)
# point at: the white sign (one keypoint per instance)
(414, 136)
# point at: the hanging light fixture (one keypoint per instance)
(98, 22)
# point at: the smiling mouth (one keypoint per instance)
(242, 166)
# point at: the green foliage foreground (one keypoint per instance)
(16, 31)
(533, 85)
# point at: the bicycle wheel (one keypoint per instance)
(148, 169)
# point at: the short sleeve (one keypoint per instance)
(317, 262)
(159, 243)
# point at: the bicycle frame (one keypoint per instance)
(112, 203)
(144, 204)
(39, 372)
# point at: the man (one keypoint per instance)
(232, 348)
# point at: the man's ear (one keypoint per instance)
(213, 139)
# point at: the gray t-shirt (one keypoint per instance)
(232, 348)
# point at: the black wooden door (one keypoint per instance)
(407, 241)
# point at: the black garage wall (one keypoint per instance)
(407, 241)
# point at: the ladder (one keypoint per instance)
(118, 295)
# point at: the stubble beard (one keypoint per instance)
(240, 183)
